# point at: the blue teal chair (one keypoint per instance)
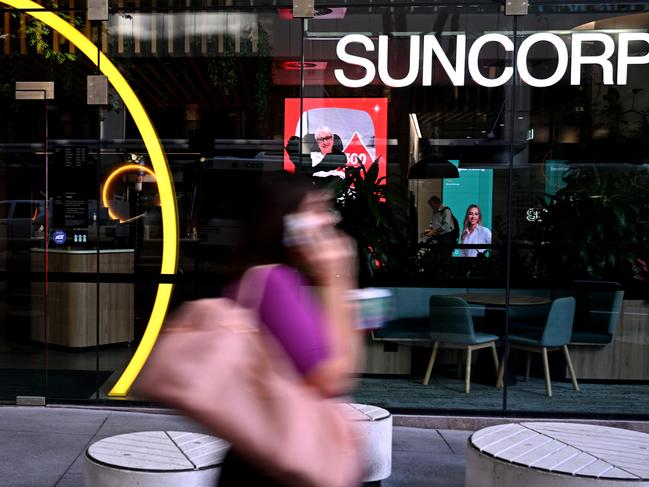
(556, 334)
(598, 324)
(451, 326)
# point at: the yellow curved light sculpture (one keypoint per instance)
(109, 181)
(162, 174)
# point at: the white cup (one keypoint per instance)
(374, 306)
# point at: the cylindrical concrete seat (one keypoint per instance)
(155, 459)
(374, 424)
(174, 458)
(548, 454)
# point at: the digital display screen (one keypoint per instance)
(337, 132)
(466, 196)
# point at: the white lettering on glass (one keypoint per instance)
(432, 46)
(562, 59)
(344, 56)
(424, 53)
(623, 58)
(474, 65)
(578, 59)
(413, 68)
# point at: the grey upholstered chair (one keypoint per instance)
(556, 334)
(451, 326)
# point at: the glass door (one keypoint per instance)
(49, 201)
(23, 222)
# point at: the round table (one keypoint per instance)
(494, 315)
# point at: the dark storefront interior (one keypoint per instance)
(559, 173)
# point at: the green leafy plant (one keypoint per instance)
(38, 34)
(595, 227)
(378, 216)
(225, 71)
(40, 39)
(375, 214)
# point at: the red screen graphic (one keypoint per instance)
(358, 127)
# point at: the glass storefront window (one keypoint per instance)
(529, 131)
(579, 200)
(440, 136)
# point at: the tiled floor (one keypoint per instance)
(45, 446)
(447, 393)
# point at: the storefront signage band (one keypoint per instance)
(427, 47)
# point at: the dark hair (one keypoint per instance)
(293, 149)
(435, 199)
(271, 198)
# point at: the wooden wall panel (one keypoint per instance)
(72, 307)
(627, 357)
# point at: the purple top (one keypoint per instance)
(293, 315)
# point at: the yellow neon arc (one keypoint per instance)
(162, 174)
(105, 193)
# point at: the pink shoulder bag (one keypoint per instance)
(214, 363)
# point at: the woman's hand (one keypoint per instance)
(328, 254)
(324, 252)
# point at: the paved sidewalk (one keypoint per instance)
(44, 446)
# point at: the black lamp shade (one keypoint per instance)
(433, 167)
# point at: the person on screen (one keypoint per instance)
(325, 139)
(443, 225)
(329, 159)
(473, 232)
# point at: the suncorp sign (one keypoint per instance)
(427, 47)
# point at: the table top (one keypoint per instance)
(576, 449)
(498, 299)
(159, 451)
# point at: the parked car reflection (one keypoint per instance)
(20, 220)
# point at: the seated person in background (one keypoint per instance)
(474, 232)
(443, 225)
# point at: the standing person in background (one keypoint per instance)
(290, 225)
(443, 225)
(474, 232)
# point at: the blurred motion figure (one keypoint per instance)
(290, 225)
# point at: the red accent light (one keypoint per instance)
(319, 13)
(308, 65)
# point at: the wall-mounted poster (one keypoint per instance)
(337, 132)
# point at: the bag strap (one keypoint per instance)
(252, 286)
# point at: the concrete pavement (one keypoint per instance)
(44, 446)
